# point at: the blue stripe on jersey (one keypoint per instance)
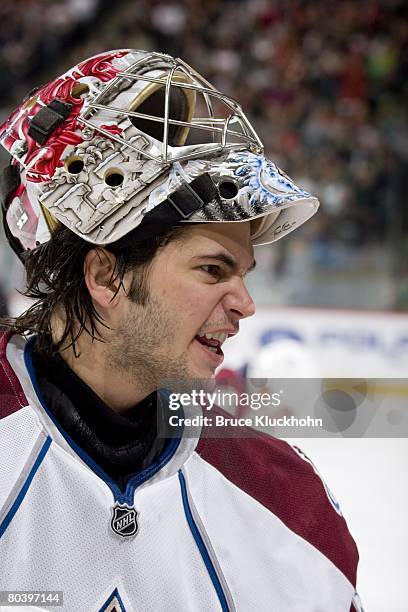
(201, 545)
(23, 491)
(148, 472)
(136, 480)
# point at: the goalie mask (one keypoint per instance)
(133, 138)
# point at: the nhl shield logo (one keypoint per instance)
(124, 520)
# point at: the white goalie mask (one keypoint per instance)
(128, 136)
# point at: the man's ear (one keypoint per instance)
(99, 273)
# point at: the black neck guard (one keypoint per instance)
(120, 445)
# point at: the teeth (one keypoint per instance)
(220, 336)
(212, 349)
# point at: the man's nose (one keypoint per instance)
(238, 301)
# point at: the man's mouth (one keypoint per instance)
(213, 341)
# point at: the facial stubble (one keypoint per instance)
(141, 347)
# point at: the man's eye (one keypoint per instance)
(211, 269)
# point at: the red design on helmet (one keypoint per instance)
(41, 161)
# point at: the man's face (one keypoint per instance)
(196, 289)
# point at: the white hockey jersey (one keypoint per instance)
(234, 525)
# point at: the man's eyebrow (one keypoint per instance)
(228, 260)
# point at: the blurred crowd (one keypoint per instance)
(323, 81)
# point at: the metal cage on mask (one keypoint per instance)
(169, 87)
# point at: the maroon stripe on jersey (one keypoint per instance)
(12, 396)
(270, 471)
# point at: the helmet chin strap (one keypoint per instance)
(48, 118)
(184, 202)
(9, 181)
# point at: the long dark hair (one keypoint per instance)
(55, 280)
